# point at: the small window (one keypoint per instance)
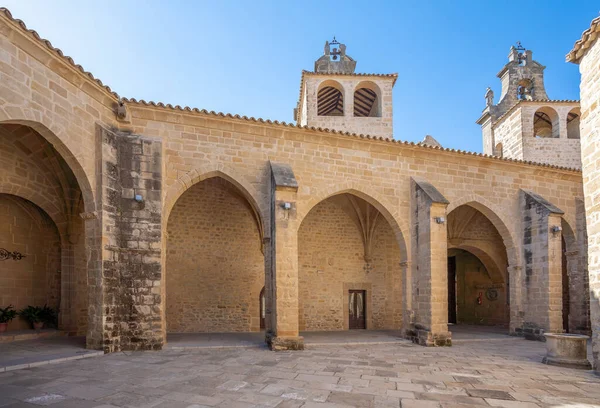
(573, 118)
(545, 123)
(367, 100)
(330, 99)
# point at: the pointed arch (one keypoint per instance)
(55, 136)
(227, 173)
(398, 225)
(496, 217)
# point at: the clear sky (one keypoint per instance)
(247, 57)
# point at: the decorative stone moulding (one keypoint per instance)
(567, 350)
(5, 254)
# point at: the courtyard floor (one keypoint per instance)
(487, 370)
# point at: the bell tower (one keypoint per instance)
(333, 96)
(525, 124)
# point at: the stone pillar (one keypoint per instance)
(429, 273)
(283, 251)
(542, 259)
(131, 280)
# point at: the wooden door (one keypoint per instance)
(357, 309)
(452, 289)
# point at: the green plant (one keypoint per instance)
(7, 314)
(33, 314)
(49, 316)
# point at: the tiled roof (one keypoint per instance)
(333, 131)
(57, 51)
(587, 39)
(133, 101)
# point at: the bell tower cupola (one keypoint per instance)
(525, 124)
(334, 96)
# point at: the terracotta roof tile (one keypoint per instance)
(161, 105)
(338, 132)
(57, 51)
(587, 39)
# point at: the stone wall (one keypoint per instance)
(516, 133)
(590, 156)
(35, 279)
(508, 132)
(215, 267)
(331, 262)
(132, 270)
(473, 280)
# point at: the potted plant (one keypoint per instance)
(49, 316)
(6, 315)
(34, 315)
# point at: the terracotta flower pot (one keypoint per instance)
(38, 325)
(3, 327)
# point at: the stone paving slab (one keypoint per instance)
(494, 373)
(32, 353)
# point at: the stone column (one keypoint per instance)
(283, 251)
(430, 266)
(131, 279)
(542, 259)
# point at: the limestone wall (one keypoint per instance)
(331, 262)
(377, 126)
(215, 268)
(35, 279)
(590, 156)
(508, 133)
(560, 152)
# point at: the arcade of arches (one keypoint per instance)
(138, 218)
(40, 203)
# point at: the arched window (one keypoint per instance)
(367, 100)
(525, 89)
(498, 150)
(330, 99)
(573, 123)
(545, 123)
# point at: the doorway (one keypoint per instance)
(452, 289)
(263, 308)
(357, 309)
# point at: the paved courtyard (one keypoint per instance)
(494, 371)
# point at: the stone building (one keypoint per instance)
(140, 219)
(586, 53)
(525, 124)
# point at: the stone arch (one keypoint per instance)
(49, 207)
(488, 261)
(367, 99)
(496, 217)
(54, 136)
(330, 98)
(573, 123)
(195, 176)
(397, 224)
(546, 123)
(212, 255)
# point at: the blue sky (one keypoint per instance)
(247, 57)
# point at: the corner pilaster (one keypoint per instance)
(283, 252)
(428, 325)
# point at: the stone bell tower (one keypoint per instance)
(333, 96)
(525, 124)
